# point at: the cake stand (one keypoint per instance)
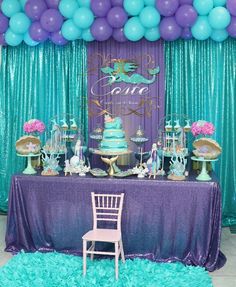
(203, 176)
(139, 138)
(110, 158)
(29, 169)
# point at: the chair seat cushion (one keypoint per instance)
(103, 235)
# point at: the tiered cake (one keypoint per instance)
(113, 139)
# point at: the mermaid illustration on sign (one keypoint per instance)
(121, 73)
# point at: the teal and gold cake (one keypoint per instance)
(113, 139)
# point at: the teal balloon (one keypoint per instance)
(201, 30)
(68, 7)
(133, 7)
(219, 18)
(84, 3)
(219, 35)
(70, 31)
(29, 41)
(10, 7)
(149, 17)
(150, 2)
(22, 3)
(12, 38)
(19, 23)
(87, 36)
(219, 2)
(83, 18)
(152, 34)
(133, 29)
(203, 7)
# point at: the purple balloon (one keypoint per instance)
(117, 17)
(181, 2)
(169, 29)
(37, 33)
(51, 20)
(4, 21)
(58, 39)
(231, 29)
(186, 34)
(101, 30)
(117, 3)
(35, 8)
(119, 35)
(100, 8)
(231, 6)
(186, 16)
(52, 3)
(167, 7)
(2, 40)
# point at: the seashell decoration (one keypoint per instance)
(206, 148)
(28, 145)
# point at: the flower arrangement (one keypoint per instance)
(34, 126)
(202, 128)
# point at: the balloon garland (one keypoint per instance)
(60, 21)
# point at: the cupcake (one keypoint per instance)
(187, 127)
(168, 126)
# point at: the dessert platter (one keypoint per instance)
(98, 172)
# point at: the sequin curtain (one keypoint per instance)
(38, 82)
(201, 82)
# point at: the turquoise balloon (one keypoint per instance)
(22, 3)
(149, 17)
(87, 36)
(150, 2)
(70, 31)
(12, 38)
(133, 7)
(68, 7)
(84, 3)
(219, 18)
(29, 41)
(219, 35)
(152, 34)
(203, 7)
(201, 30)
(219, 2)
(83, 18)
(19, 23)
(133, 29)
(10, 7)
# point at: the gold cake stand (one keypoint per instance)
(110, 158)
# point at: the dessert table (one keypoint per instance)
(162, 220)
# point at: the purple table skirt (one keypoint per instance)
(162, 220)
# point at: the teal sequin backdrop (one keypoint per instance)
(38, 82)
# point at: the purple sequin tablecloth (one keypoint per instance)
(162, 220)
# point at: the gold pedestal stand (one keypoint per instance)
(110, 158)
(111, 162)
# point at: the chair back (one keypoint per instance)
(107, 207)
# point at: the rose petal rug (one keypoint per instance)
(60, 270)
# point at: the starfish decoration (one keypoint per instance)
(31, 147)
